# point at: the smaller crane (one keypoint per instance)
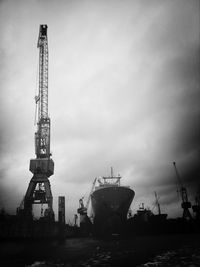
(196, 206)
(85, 222)
(186, 205)
(157, 203)
(82, 210)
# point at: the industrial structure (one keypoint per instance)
(85, 222)
(159, 217)
(196, 206)
(82, 210)
(42, 167)
(61, 209)
(157, 203)
(186, 205)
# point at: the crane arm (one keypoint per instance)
(93, 185)
(183, 189)
(43, 71)
(177, 175)
(42, 136)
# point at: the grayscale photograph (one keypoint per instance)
(99, 133)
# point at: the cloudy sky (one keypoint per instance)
(123, 92)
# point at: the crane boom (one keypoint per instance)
(177, 175)
(157, 203)
(82, 210)
(88, 200)
(42, 136)
(43, 71)
(185, 203)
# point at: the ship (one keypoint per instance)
(110, 202)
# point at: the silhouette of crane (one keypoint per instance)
(42, 167)
(186, 205)
(82, 210)
(157, 203)
(196, 206)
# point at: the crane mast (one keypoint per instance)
(83, 209)
(42, 136)
(157, 203)
(42, 167)
(85, 222)
(185, 203)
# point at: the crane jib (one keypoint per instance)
(42, 136)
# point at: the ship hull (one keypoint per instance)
(110, 206)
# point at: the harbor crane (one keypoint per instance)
(157, 203)
(82, 210)
(42, 167)
(186, 205)
(85, 222)
(196, 206)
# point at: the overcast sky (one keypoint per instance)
(123, 92)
